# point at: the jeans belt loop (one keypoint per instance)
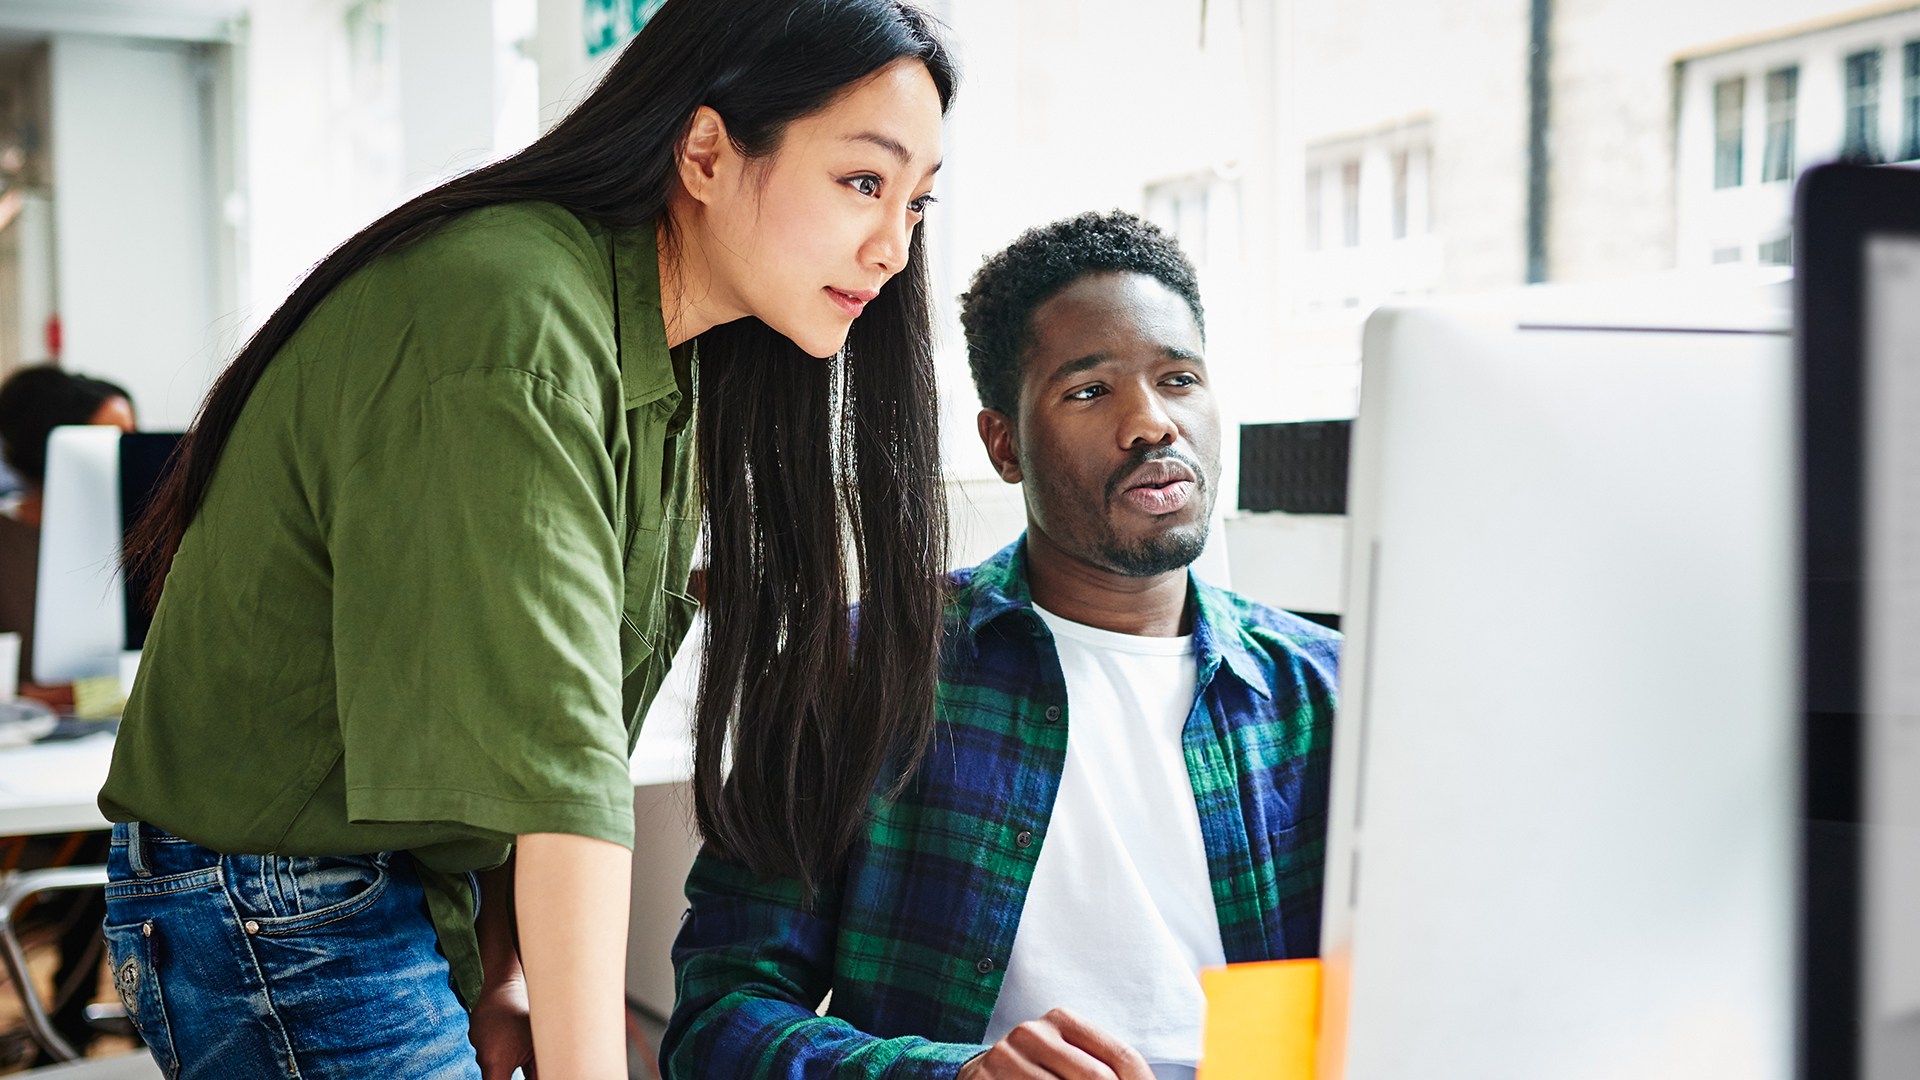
(137, 851)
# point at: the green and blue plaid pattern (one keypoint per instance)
(913, 938)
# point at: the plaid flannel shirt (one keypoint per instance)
(913, 938)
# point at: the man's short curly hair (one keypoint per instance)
(997, 311)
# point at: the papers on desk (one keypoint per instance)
(1262, 1020)
(52, 787)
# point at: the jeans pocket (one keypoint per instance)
(130, 951)
(298, 893)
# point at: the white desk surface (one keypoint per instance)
(50, 787)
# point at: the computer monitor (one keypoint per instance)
(1857, 237)
(85, 615)
(1562, 815)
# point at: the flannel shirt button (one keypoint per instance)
(985, 966)
(1024, 840)
(1053, 713)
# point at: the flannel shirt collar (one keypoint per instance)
(998, 588)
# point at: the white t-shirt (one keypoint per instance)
(1119, 918)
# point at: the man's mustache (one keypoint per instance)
(1137, 458)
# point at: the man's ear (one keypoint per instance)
(703, 153)
(996, 434)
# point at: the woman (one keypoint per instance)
(430, 540)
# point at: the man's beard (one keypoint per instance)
(1156, 554)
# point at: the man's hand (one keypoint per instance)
(1059, 1045)
(501, 1030)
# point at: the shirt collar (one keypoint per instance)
(998, 587)
(647, 371)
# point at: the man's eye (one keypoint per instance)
(1086, 393)
(866, 185)
(1182, 380)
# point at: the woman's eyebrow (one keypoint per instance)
(891, 146)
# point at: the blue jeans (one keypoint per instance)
(253, 966)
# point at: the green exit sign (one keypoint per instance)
(609, 23)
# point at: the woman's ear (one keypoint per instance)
(703, 153)
(996, 433)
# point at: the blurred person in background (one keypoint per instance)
(1131, 777)
(426, 552)
(34, 401)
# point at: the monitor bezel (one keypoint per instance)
(1837, 209)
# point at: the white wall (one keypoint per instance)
(446, 86)
(133, 219)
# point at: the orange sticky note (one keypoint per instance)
(1262, 1020)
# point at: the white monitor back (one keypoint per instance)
(79, 622)
(1561, 842)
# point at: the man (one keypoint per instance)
(1128, 775)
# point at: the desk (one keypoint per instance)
(51, 787)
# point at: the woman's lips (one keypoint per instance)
(1164, 499)
(851, 303)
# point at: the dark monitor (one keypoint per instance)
(1857, 241)
(143, 460)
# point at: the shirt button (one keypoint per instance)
(1024, 840)
(985, 966)
(1053, 713)
(252, 927)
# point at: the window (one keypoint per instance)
(1783, 101)
(1400, 195)
(1315, 213)
(1729, 130)
(1202, 212)
(1727, 254)
(1910, 104)
(1350, 203)
(1777, 252)
(1862, 142)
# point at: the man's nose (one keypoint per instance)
(1147, 422)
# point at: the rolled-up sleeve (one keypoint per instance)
(477, 604)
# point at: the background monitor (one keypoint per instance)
(84, 615)
(1858, 238)
(1561, 836)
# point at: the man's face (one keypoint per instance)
(1118, 438)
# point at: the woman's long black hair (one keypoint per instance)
(804, 463)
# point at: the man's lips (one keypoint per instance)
(1159, 487)
(1159, 500)
(852, 301)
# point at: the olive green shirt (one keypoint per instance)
(440, 571)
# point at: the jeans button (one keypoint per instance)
(252, 927)
(146, 929)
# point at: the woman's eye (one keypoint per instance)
(866, 185)
(919, 205)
